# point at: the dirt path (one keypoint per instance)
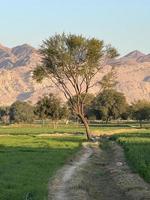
(98, 174)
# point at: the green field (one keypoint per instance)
(31, 154)
(137, 151)
(30, 129)
(27, 163)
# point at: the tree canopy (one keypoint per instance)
(71, 62)
(110, 104)
(21, 112)
(50, 107)
(108, 82)
(141, 110)
(4, 115)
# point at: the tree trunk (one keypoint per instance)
(86, 125)
(42, 122)
(107, 119)
(54, 124)
(140, 123)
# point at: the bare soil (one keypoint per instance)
(98, 172)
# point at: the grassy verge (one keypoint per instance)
(27, 163)
(137, 151)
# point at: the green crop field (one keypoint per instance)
(137, 151)
(27, 163)
(31, 129)
(31, 154)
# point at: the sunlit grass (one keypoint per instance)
(46, 129)
(27, 163)
(30, 155)
(137, 150)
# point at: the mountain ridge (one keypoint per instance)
(18, 63)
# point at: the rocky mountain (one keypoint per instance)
(134, 55)
(17, 64)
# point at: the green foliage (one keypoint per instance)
(50, 107)
(4, 115)
(128, 113)
(21, 112)
(112, 52)
(110, 104)
(39, 73)
(88, 99)
(141, 110)
(137, 149)
(27, 164)
(108, 82)
(4, 111)
(71, 62)
(70, 57)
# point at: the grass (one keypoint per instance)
(28, 159)
(46, 129)
(27, 163)
(137, 150)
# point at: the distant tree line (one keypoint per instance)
(112, 105)
(107, 105)
(48, 107)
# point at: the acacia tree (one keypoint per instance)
(71, 62)
(87, 102)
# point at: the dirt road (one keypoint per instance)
(98, 172)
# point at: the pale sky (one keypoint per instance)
(123, 23)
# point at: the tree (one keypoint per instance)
(71, 62)
(87, 103)
(21, 112)
(128, 113)
(141, 111)
(110, 104)
(4, 115)
(50, 107)
(108, 81)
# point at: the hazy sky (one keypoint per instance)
(123, 23)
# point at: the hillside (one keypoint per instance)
(17, 64)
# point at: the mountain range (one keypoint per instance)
(17, 65)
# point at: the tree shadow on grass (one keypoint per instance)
(69, 139)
